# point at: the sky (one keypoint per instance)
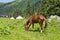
(5, 1)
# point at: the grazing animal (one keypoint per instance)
(36, 19)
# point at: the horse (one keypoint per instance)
(36, 19)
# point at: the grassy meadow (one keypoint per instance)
(14, 30)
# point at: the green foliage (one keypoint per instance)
(45, 7)
(16, 12)
(8, 7)
(49, 7)
(29, 9)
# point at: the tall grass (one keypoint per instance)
(14, 30)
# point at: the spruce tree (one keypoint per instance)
(28, 9)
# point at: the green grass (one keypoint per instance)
(16, 30)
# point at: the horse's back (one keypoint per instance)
(36, 18)
(41, 17)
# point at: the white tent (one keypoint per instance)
(19, 17)
(58, 19)
(52, 17)
(49, 20)
(12, 18)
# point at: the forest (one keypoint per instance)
(27, 8)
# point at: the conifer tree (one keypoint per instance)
(28, 9)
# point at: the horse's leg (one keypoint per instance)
(41, 25)
(30, 24)
(33, 26)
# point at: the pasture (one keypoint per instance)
(14, 30)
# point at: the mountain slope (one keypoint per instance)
(21, 4)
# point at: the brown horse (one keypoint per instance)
(36, 19)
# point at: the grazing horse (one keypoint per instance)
(36, 19)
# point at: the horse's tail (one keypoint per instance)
(46, 22)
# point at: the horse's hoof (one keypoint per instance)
(26, 30)
(33, 29)
(41, 31)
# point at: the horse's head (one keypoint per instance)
(46, 23)
(26, 27)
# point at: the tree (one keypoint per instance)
(32, 10)
(49, 7)
(16, 12)
(28, 9)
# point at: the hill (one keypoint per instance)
(21, 4)
(44, 7)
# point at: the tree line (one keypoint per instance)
(44, 7)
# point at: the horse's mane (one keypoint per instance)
(27, 22)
